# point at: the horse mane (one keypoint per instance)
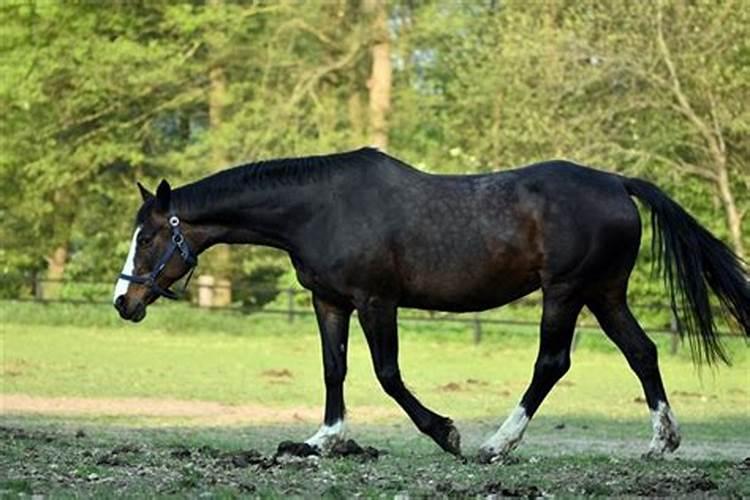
(268, 174)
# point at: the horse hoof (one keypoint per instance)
(485, 456)
(454, 441)
(448, 438)
(488, 456)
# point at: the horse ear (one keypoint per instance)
(145, 193)
(163, 196)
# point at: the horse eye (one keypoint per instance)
(144, 240)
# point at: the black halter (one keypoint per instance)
(176, 244)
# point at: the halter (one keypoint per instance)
(176, 244)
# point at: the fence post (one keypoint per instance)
(205, 290)
(673, 327)
(38, 291)
(477, 328)
(290, 305)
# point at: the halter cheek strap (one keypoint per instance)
(176, 244)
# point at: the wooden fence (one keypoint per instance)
(44, 290)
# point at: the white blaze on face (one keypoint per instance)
(327, 435)
(121, 288)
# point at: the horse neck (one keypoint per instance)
(269, 217)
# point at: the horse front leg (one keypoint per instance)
(379, 322)
(333, 323)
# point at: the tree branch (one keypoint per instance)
(303, 87)
(684, 106)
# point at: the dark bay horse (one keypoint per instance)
(367, 232)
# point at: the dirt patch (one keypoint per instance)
(693, 395)
(119, 456)
(343, 449)
(350, 448)
(450, 387)
(673, 484)
(55, 462)
(18, 433)
(14, 367)
(197, 412)
(283, 373)
(497, 488)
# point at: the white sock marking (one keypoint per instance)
(121, 288)
(327, 435)
(509, 434)
(666, 430)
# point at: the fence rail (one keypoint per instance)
(292, 309)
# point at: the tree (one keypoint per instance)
(379, 83)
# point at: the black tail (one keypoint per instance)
(689, 258)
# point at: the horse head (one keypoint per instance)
(161, 252)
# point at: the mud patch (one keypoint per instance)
(350, 448)
(342, 449)
(245, 458)
(119, 456)
(19, 433)
(693, 395)
(283, 373)
(673, 484)
(450, 387)
(295, 449)
(114, 462)
(497, 488)
(14, 367)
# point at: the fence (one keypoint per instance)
(289, 305)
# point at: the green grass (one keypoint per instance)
(586, 440)
(184, 353)
(67, 458)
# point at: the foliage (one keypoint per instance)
(95, 97)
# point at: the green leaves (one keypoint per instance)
(94, 98)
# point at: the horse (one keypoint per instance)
(366, 232)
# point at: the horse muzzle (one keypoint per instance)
(132, 310)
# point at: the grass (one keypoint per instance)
(80, 459)
(586, 439)
(182, 353)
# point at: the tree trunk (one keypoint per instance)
(51, 287)
(379, 83)
(221, 258)
(734, 221)
(356, 119)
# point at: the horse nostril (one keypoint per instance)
(120, 303)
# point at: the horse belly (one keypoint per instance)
(474, 288)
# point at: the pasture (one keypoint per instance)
(193, 402)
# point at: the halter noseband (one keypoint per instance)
(177, 244)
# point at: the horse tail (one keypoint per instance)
(691, 260)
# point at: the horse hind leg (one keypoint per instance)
(623, 329)
(560, 311)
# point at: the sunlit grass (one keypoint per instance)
(183, 353)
